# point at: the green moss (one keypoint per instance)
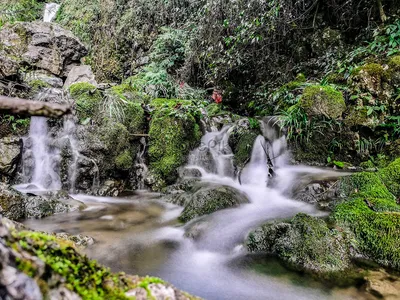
(325, 101)
(391, 177)
(301, 77)
(134, 117)
(173, 132)
(243, 148)
(38, 84)
(372, 213)
(124, 160)
(394, 63)
(213, 109)
(82, 275)
(87, 98)
(359, 117)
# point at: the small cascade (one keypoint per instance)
(41, 158)
(50, 12)
(214, 154)
(140, 167)
(69, 132)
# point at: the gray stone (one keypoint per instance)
(43, 76)
(17, 206)
(41, 45)
(81, 73)
(10, 152)
(208, 199)
(8, 66)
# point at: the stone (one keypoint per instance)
(382, 285)
(81, 73)
(10, 153)
(208, 199)
(41, 45)
(63, 293)
(8, 66)
(17, 206)
(305, 243)
(44, 77)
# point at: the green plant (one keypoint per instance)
(16, 122)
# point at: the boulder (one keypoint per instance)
(17, 206)
(81, 73)
(305, 243)
(40, 45)
(8, 66)
(324, 101)
(208, 199)
(383, 285)
(10, 152)
(42, 77)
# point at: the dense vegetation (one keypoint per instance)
(328, 69)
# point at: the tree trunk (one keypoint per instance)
(17, 106)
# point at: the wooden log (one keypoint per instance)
(18, 106)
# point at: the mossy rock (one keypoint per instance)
(394, 63)
(53, 263)
(318, 100)
(358, 116)
(304, 243)
(372, 213)
(241, 141)
(87, 98)
(390, 176)
(207, 200)
(173, 133)
(116, 139)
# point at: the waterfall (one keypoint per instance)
(140, 167)
(41, 158)
(214, 154)
(50, 12)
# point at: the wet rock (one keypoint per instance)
(320, 193)
(10, 153)
(41, 45)
(305, 243)
(17, 206)
(78, 239)
(383, 285)
(81, 73)
(111, 188)
(208, 199)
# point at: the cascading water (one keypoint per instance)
(50, 12)
(209, 265)
(44, 171)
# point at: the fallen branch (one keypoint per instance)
(17, 106)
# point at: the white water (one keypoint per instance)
(207, 265)
(45, 157)
(50, 12)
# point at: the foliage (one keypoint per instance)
(16, 123)
(12, 11)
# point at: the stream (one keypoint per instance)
(140, 233)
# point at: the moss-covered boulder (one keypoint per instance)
(40, 266)
(372, 213)
(324, 101)
(173, 133)
(87, 99)
(358, 116)
(241, 141)
(204, 200)
(305, 243)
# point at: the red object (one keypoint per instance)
(181, 84)
(217, 97)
